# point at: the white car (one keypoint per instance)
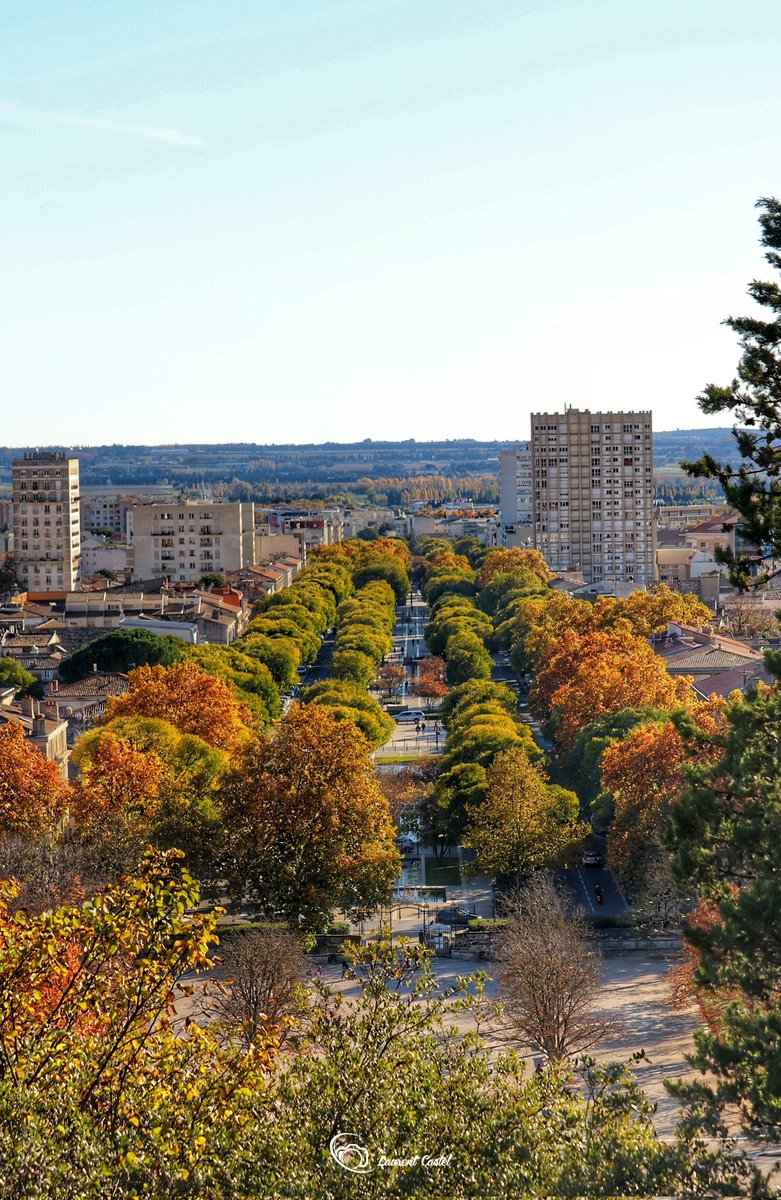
(411, 714)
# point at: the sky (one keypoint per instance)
(320, 220)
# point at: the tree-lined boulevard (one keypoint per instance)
(241, 933)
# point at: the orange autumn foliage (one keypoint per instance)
(448, 561)
(645, 773)
(649, 612)
(431, 677)
(51, 987)
(190, 700)
(582, 677)
(118, 782)
(504, 561)
(309, 824)
(541, 620)
(682, 989)
(34, 797)
(396, 547)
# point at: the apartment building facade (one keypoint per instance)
(184, 540)
(515, 495)
(46, 514)
(592, 476)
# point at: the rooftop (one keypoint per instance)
(714, 525)
(40, 636)
(729, 681)
(99, 684)
(13, 715)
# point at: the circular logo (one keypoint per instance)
(350, 1154)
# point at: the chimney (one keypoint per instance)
(54, 687)
(39, 726)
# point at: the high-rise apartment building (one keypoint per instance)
(515, 495)
(592, 477)
(47, 537)
(185, 539)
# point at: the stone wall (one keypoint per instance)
(480, 946)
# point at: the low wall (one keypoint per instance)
(480, 946)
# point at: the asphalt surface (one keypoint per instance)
(408, 648)
(321, 668)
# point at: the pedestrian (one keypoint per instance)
(319, 975)
(417, 727)
(423, 727)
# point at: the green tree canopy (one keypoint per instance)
(476, 691)
(583, 765)
(726, 840)
(524, 824)
(12, 674)
(122, 650)
(383, 567)
(206, 1116)
(753, 487)
(467, 658)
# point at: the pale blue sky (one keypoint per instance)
(337, 219)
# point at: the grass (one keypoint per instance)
(442, 872)
(396, 758)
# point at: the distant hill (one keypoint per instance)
(672, 446)
(244, 470)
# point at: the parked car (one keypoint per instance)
(591, 858)
(411, 714)
(406, 848)
(454, 916)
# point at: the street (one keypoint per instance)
(320, 669)
(408, 648)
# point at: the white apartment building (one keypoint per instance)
(47, 536)
(515, 495)
(184, 540)
(593, 493)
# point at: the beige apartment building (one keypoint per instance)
(515, 495)
(47, 531)
(184, 540)
(592, 477)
